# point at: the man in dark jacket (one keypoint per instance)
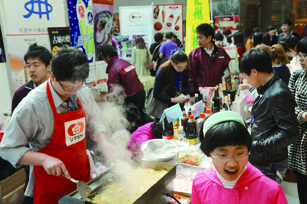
(286, 29)
(275, 126)
(121, 72)
(208, 62)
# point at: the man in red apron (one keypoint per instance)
(57, 148)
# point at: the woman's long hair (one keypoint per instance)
(140, 43)
(239, 40)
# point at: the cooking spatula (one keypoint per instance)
(83, 189)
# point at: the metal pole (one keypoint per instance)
(211, 14)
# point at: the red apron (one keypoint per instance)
(68, 143)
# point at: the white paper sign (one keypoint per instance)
(25, 17)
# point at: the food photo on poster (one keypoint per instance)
(168, 18)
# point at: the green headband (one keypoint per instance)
(222, 117)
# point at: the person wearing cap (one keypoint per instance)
(53, 120)
(274, 127)
(208, 62)
(286, 29)
(224, 138)
(123, 73)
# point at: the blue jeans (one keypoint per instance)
(275, 172)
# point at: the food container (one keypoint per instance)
(184, 178)
(159, 150)
(102, 182)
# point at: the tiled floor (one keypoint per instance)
(290, 190)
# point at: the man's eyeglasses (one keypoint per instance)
(303, 57)
(70, 89)
(240, 156)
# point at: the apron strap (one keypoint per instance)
(50, 98)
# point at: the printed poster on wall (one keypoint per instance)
(223, 22)
(103, 20)
(80, 16)
(168, 18)
(197, 13)
(136, 20)
(26, 23)
(58, 37)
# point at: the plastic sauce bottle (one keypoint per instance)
(208, 112)
(168, 131)
(176, 128)
(184, 120)
(156, 12)
(200, 121)
(191, 133)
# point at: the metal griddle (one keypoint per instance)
(100, 183)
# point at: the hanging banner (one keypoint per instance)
(80, 15)
(116, 25)
(26, 23)
(137, 21)
(168, 18)
(197, 13)
(223, 22)
(58, 37)
(103, 20)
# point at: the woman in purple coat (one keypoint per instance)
(144, 133)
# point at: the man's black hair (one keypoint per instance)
(218, 37)
(158, 37)
(287, 21)
(108, 51)
(206, 30)
(302, 46)
(269, 28)
(69, 64)
(157, 129)
(290, 41)
(228, 133)
(40, 52)
(169, 35)
(255, 59)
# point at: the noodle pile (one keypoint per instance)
(130, 188)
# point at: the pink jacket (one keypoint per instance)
(252, 187)
(142, 134)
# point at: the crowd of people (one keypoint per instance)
(245, 165)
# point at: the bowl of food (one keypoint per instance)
(103, 25)
(159, 149)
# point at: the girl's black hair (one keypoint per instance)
(239, 40)
(228, 133)
(157, 129)
(258, 39)
(302, 46)
(290, 41)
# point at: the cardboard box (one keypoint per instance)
(12, 188)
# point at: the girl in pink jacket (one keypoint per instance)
(143, 134)
(232, 179)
